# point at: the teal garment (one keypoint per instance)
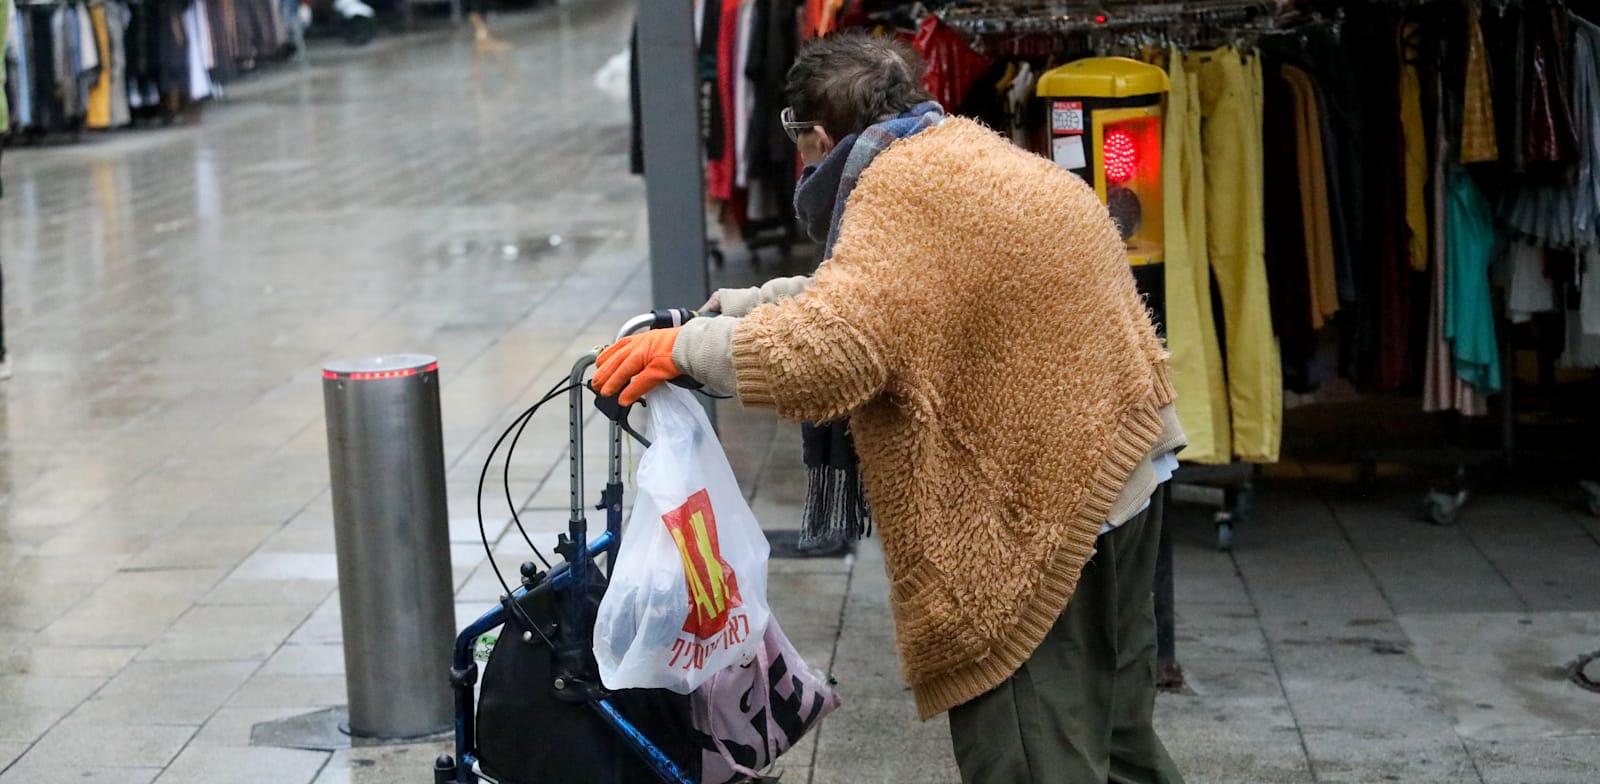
(1468, 310)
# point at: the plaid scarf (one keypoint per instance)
(825, 187)
(836, 510)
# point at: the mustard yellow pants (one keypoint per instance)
(1191, 339)
(1214, 228)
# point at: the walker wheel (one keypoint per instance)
(1224, 532)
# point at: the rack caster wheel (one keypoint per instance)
(1444, 508)
(717, 258)
(1224, 532)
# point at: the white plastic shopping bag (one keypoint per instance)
(689, 594)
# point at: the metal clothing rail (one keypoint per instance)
(999, 17)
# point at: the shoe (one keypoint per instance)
(5, 368)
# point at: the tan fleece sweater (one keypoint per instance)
(993, 444)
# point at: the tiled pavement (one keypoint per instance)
(166, 568)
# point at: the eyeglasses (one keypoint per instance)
(793, 127)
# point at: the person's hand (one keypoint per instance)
(636, 364)
(713, 305)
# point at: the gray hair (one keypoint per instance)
(849, 81)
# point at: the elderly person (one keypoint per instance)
(977, 325)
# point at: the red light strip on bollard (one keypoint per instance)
(380, 374)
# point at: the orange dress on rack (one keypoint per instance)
(99, 114)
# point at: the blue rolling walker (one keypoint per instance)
(543, 715)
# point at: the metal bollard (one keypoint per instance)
(386, 459)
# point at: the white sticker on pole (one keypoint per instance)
(1068, 152)
(1066, 117)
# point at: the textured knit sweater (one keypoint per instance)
(994, 442)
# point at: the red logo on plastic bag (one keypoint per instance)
(713, 587)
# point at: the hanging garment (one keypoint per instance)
(158, 59)
(953, 65)
(1338, 108)
(771, 156)
(89, 55)
(1288, 269)
(1315, 209)
(197, 47)
(47, 113)
(1230, 90)
(1503, 38)
(65, 32)
(100, 93)
(708, 35)
(1381, 349)
(1479, 143)
(1582, 351)
(1338, 221)
(275, 22)
(743, 94)
(1589, 292)
(5, 48)
(1563, 213)
(1586, 105)
(1442, 388)
(117, 16)
(1530, 291)
(1550, 136)
(224, 18)
(811, 25)
(821, 16)
(8, 80)
(1469, 308)
(23, 90)
(257, 31)
(719, 170)
(1018, 97)
(1414, 135)
(1191, 327)
(1567, 213)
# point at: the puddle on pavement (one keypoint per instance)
(521, 249)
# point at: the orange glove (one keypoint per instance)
(636, 364)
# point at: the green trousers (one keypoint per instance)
(1080, 710)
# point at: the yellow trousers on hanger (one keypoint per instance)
(1191, 333)
(1231, 109)
(99, 113)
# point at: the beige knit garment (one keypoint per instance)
(993, 442)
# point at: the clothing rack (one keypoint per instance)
(134, 63)
(1243, 25)
(997, 17)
